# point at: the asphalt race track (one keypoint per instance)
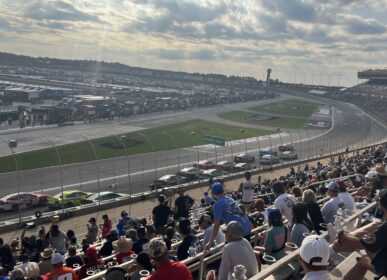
(352, 128)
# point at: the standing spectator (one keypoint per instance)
(91, 262)
(59, 270)
(123, 224)
(247, 189)
(106, 226)
(57, 239)
(124, 249)
(301, 223)
(205, 223)
(314, 258)
(237, 251)
(277, 235)
(284, 201)
(141, 243)
(188, 239)
(182, 205)
(165, 268)
(346, 198)
(160, 215)
(226, 210)
(45, 265)
(73, 258)
(314, 211)
(92, 231)
(330, 207)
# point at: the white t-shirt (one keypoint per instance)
(207, 235)
(234, 253)
(247, 191)
(284, 203)
(329, 210)
(349, 202)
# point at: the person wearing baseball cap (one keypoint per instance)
(314, 258)
(226, 210)
(57, 260)
(371, 238)
(165, 268)
(330, 207)
(92, 231)
(106, 226)
(91, 261)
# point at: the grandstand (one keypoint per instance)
(348, 169)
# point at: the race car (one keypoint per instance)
(22, 200)
(68, 199)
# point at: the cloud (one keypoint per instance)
(201, 54)
(299, 10)
(4, 24)
(56, 10)
(359, 25)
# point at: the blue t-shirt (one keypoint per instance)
(226, 210)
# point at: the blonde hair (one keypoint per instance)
(309, 197)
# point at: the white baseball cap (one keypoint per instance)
(371, 175)
(57, 258)
(314, 250)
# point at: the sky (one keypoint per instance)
(309, 41)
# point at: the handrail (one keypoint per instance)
(285, 260)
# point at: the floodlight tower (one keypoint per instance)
(267, 81)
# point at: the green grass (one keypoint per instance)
(288, 108)
(112, 146)
(284, 122)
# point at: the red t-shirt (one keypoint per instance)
(124, 257)
(171, 271)
(107, 227)
(66, 272)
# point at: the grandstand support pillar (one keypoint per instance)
(17, 166)
(153, 150)
(122, 140)
(98, 167)
(176, 147)
(60, 163)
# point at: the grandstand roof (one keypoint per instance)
(373, 74)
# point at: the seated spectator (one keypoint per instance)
(45, 265)
(329, 209)
(142, 263)
(132, 234)
(17, 274)
(261, 212)
(92, 231)
(346, 198)
(314, 258)
(59, 270)
(277, 235)
(15, 250)
(150, 231)
(106, 226)
(188, 239)
(205, 223)
(165, 268)
(57, 239)
(31, 247)
(371, 238)
(123, 248)
(26, 263)
(314, 211)
(297, 192)
(91, 262)
(73, 258)
(170, 234)
(32, 271)
(237, 251)
(142, 243)
(115, 273)
(301, 223)
(208, 199)
(7, 260)
(107, 247)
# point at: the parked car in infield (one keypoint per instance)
(22, 200)
(69, 198)
(244, 158)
